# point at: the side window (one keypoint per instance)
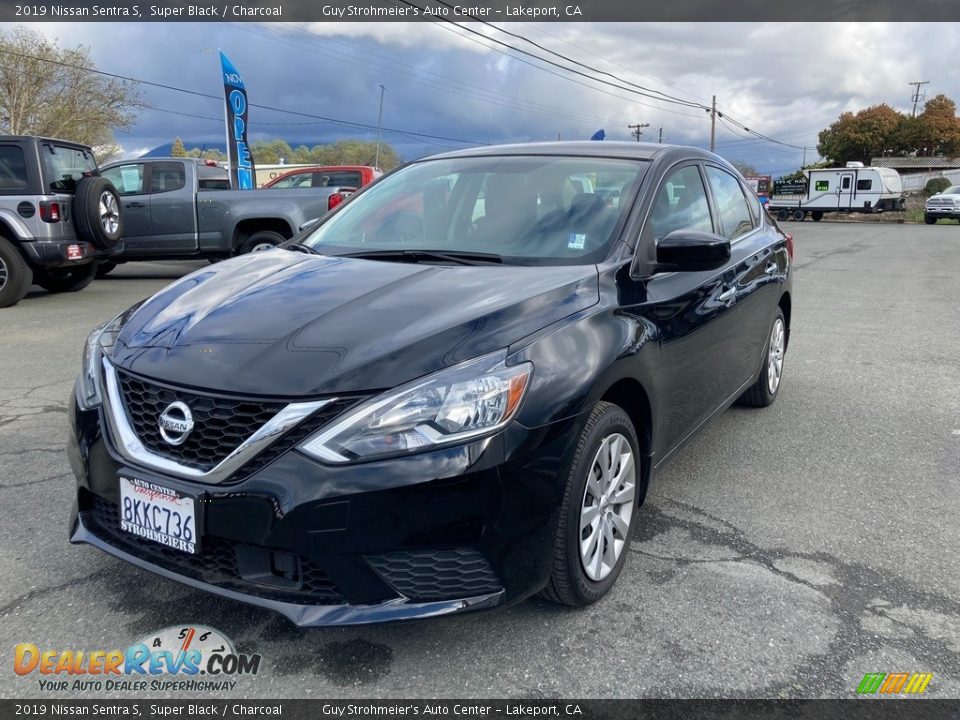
(297, 180)
(864, 184)
(338, 179)
(13, 169)
(822, 185)
(681, 204)
(127, 179)
(731, 204)
(845, 183)
(167, 176)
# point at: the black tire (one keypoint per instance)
(105, 268)
(261, 239)
(798, 215)
(61, 280)
(759, 394)
(569, 583)
(816, 215)
(783, 215)
(98, 223)
(929, 220)
(16, 277)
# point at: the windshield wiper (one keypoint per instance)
(458, 257)
(300, 247)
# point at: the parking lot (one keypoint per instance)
(784, 552)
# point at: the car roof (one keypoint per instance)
(582, 148)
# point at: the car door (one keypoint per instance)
(696, 313)
(173, 216)
(130, 181)
(755, 265)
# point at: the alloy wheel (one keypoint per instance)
(607, 506)
(775, 356)
(4, 274)
(109, 215)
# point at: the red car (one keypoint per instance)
(345, 176)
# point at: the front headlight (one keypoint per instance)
(463, 402)
(88, 384)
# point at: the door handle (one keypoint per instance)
(770, 269)
(135, 205)
(727, 295)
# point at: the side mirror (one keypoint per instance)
(309, 224)
(691, 251)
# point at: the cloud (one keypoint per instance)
(786, 80)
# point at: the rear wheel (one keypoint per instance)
(263, 240)
(16, 277)
(603, 492)
(105, 268)
(60, 280)
(817, 215)
(764, 391)
(782, 215)
(798, 215)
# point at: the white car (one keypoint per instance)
(944, 204)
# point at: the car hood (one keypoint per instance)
(284, 324)
(941, 196)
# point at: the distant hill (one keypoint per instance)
(165, 149)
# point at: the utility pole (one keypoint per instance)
(713, 124)
(637, 130)
(376, 159)
(916, 94)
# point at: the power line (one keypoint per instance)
(336, 121)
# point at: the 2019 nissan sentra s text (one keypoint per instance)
(447, 395)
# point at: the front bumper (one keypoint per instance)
(454, 530)
(941, 213)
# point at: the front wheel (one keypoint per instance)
(66, 279)
(263, 240)
(604, 489)
(764, 391)
(929, 219)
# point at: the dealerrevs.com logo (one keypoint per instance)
(184, 658)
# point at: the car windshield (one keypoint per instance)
(64, 166)
(518, 209)
(952, 190)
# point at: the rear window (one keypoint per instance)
(13, 168)
(64, 166)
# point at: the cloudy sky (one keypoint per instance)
(785, 80)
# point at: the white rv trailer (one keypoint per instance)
(851, 189)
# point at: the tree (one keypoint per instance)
(744, 168)
(48, 90)
(860, 136)
(177, 149)
(938, 128)
(342, 152)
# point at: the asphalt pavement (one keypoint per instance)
(784, 552)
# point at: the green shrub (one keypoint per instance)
(935, 185)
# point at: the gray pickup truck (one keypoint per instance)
(178, 208)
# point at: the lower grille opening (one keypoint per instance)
(260, 572)
(426, 575)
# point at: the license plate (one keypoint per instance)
(159, 514)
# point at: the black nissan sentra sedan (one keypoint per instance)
(449, 394)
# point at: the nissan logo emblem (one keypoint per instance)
(176, 422)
